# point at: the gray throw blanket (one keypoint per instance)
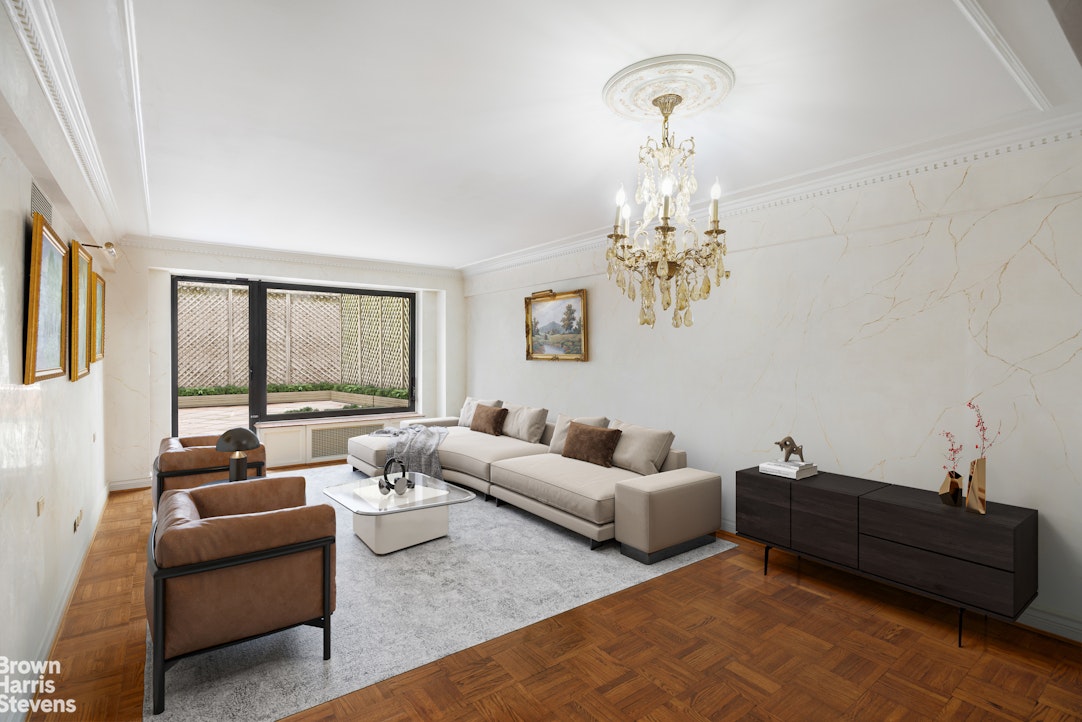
(415, 446)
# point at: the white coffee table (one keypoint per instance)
(389, 522)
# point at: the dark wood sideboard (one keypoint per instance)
(899, 535)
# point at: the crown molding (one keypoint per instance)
(248, 253)
(128, 10)
(39, 33)
(858, 173)
(1015, 68)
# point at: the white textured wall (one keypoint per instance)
(51, 447)
(861, 322)
(139, 412)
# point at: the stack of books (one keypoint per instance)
(789, 469)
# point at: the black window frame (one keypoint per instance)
(257, 347)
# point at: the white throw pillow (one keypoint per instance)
(559, 432)
(641, 449)
(525, 423)
(465, 417)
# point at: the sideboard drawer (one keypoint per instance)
(971, 585)
(762, 507)
(1002, 538)
(824, 524)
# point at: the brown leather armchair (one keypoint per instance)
(203, 588)
(186, 462)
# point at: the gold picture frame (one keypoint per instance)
(46, 347)
(97, 350)
(82, 308)
(556, 327)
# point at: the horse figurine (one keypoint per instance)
(789, 447)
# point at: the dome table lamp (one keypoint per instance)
(239, 441)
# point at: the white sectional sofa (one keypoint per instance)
(647, 499)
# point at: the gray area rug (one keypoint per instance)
(500, 569)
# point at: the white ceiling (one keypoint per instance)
(449, 133)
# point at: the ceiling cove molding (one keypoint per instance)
(988, 30)
(824, 183)
(137, 104)
(176, 245)
(39, 32)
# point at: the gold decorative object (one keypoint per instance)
(950, 492)
(789, 446)
(674, 261)
(975, 500)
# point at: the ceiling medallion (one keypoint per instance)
(701, 82)
(674, 256)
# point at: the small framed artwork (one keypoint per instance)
(98, 339)
(556, 326)
(82, 301)
(47, 304)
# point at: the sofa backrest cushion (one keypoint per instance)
(559, 432)
(525, 423)
(591, 443)
(488, 419)
(465, 416)
(641, 449)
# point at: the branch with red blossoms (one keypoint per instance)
(982, 429)
(954, 449)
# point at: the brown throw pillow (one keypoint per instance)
(488, 419)
(590, 443)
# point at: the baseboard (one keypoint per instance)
(144, 483)
(1052, 623)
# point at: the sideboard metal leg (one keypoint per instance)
(961, 613)
(766, 559)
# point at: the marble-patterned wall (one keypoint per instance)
(51, 447)
(860, 321)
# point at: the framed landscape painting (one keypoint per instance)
(556, 326)
(82, 329)
(47, 304)
(98, 339)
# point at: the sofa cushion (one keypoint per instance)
(465, 416)
(590, 443)
(641, 449)
(559, 432)
(488, 419)
(370, 449)
(576, 487)
(524, 422)
(471, 452)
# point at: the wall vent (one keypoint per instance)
(330, 442)
(40, 204)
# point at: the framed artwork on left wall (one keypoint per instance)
(47, 291)
(82, 320)
(98, 337)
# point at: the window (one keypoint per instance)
(248, 351)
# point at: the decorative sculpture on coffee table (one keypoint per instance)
(789, 446)
(951, 490)
(975, 496)
(400, 484)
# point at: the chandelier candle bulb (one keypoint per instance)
(620, 197)
(715, 194)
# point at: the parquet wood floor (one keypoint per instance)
(714, 640)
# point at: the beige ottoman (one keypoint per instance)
(661, 515)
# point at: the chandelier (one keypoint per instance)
(672, 260)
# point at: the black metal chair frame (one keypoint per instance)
(259, 466)
(160, 575)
